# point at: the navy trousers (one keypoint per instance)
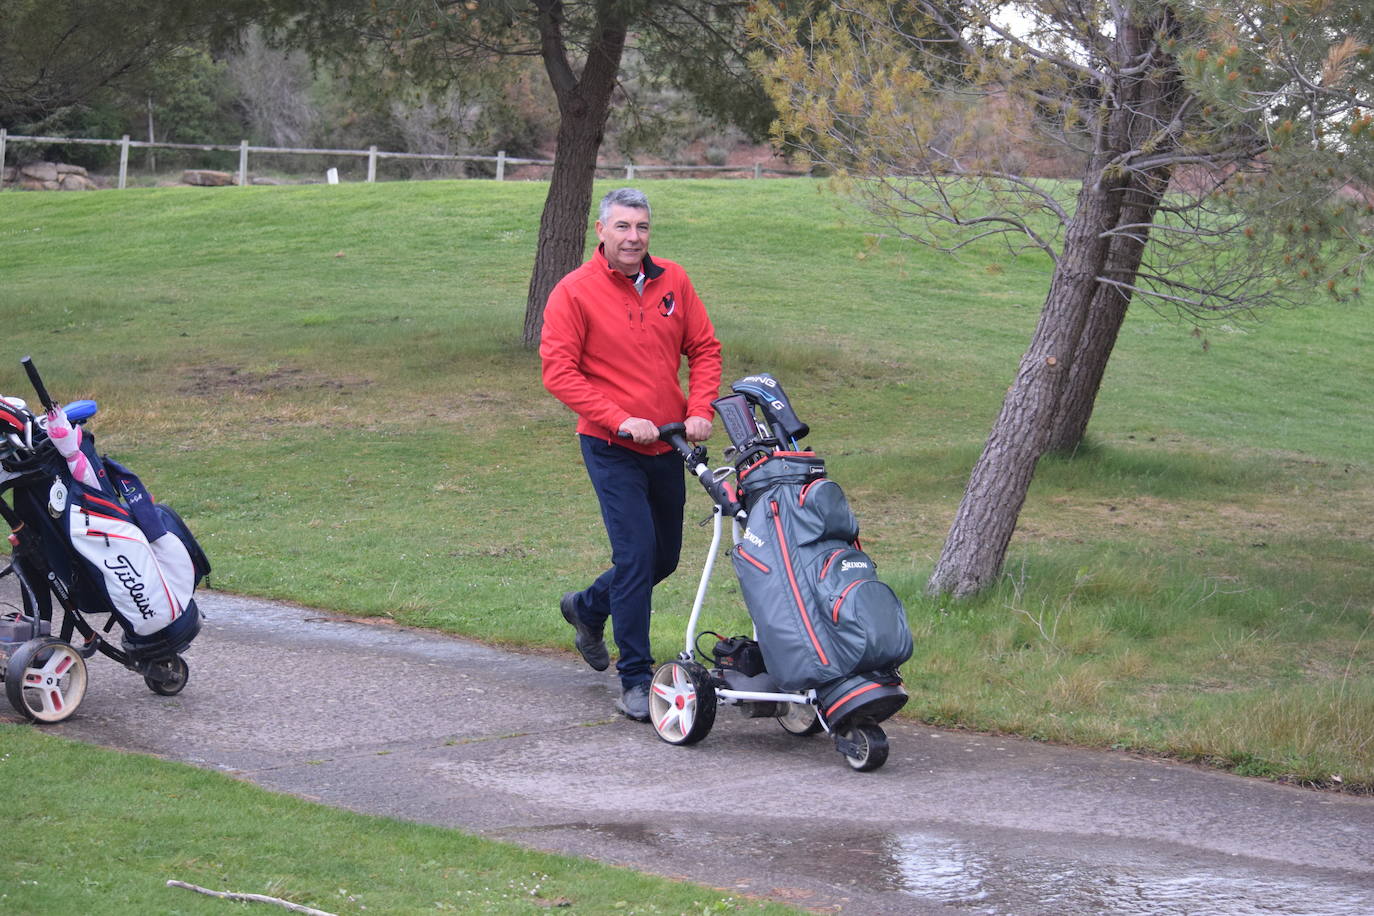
(642, 497)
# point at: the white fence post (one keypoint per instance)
(500, 165)
(758, 170)
(630, 171)
(243, 163)
(371, 164)
(123, 161)
(3, 134)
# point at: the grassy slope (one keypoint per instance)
(326, 381)
(106, 831)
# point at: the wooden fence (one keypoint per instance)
(372, 154)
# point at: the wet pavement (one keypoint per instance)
(526, 748)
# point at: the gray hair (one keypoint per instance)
(624, 197)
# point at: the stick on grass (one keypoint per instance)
(253, 898)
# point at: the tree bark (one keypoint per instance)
(584, 102)
(977, 542)
(1154, 106)
(1106, 315)
(563, 225)
(983, 525)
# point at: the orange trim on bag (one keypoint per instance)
(93, 514)
(851, 695)
(792, 581)
(835, 615)
(759, 564)
(801, 500)
(105, 502)
(806, 454)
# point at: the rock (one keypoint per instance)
(49, 176)
(75, 181)
(40, 171)
(207, 178)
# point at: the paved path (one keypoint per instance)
(525, 748)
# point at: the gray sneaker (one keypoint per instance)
(589, 643)
(634, 703)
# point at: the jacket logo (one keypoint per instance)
(667, 304)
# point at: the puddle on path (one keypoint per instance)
(956, 872)
(1008, 876)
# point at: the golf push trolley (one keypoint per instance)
(85, 531)
(828, 635)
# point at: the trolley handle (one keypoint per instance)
(675, 434)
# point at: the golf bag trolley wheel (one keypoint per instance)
(45, 679)
(682, 702)
(167, 676)
(864, 745)
(800, 719)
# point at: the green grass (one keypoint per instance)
(106, 831)
(327, 382)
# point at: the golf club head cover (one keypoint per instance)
(765, 391)
(67, 438)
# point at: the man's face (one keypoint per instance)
(625, 236)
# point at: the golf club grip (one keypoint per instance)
(43, 397)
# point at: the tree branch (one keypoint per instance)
(251, 898)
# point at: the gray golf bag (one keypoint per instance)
(823, 618)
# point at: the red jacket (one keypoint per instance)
(610, 353)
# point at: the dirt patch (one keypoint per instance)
(507, 552)
(210, 381)
(1306, 513)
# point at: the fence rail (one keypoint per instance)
(372, 154)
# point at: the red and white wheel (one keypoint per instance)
(45, 679)
(682, 702)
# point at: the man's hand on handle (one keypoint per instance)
(640, 430)
(698, 429)
(644, 432)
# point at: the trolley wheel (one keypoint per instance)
(167, 676)
(864, 745)
(800, 719)
(45, 679)
(682, 702)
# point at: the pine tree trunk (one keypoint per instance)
(1156, 101)
(563, 225)
(977, 542)
(584, 102)
(1081, 316)
(1105, 317)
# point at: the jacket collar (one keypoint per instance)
(651, 270)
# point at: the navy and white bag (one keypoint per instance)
(128, 555)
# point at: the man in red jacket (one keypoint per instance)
(615, 332)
